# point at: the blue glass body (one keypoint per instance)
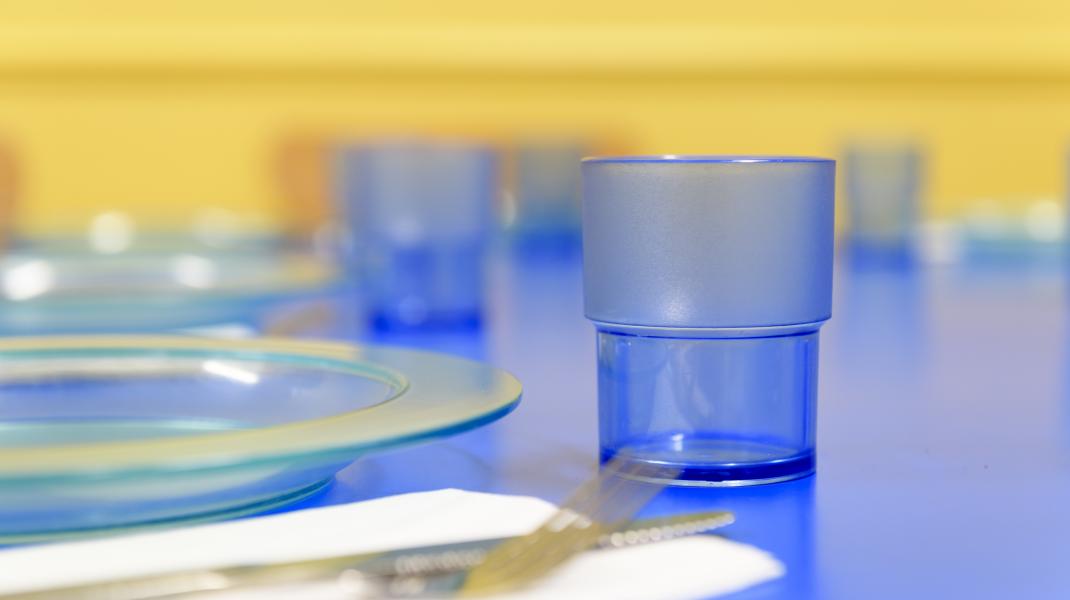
(731, 409)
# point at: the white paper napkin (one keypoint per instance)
(693, 567)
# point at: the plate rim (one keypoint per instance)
(292, 441)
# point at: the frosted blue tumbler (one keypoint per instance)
(882, 181)
(420, 213)
(707, 279)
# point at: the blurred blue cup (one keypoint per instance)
(420, 213)
(882, 180)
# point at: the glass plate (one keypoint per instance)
(98, 433)
(46, 289)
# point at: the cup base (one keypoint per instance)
(872, 254)
(384, 321)
(562, 243)
(706, 464)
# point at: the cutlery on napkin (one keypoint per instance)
(683, 568)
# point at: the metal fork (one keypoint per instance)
(601, 505)
(620, 490)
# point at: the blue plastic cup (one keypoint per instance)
(420, 213)
(882, 181)
(707, 279)
(546, 195)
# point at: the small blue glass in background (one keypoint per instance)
(883, 182)
(707, 279)
(544, 212)
(420, 214)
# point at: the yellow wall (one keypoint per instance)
(163, 108)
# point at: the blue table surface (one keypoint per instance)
(943, 436)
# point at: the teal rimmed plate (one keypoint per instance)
(101, 433)
(60, 289)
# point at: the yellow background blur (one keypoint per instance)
(162, 109)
